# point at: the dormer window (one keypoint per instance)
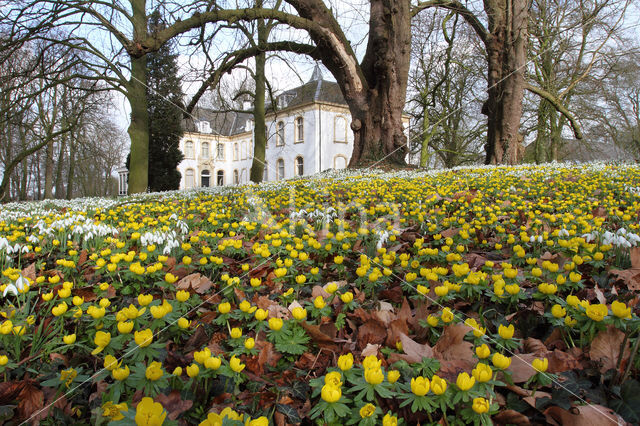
(204, 127)
(248, 126)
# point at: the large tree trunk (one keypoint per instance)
(137, 96)
(259, 129)
(375, 89)
(377, 116)
(139, 127)
(506, 53)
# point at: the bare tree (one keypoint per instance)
(444, 87)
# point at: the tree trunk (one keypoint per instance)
(259, 129)
(48, 171)
(375, 89)
(60, 168)
(377, 116)
(72, 168)
(139, 127)
(506, 53)
(137, 97)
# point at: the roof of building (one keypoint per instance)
(227, 123)
(317, 89)
(231, 123)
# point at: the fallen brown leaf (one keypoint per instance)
(511, 417)
(198, 282)
(605, 348)
(30, 401)
(586, 415)
(174, 404)
(414, 352)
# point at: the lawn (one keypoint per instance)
(466, 296)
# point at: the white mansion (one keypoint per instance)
(307, 133)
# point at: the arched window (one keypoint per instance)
(188, 179)
(299, 130)
(280, 133)
(280, 169)
(265, 173)
(236, 177)
(236, 151)
(188, 149)
(204, 151)
(205, 178)
(298, 168)
(340, 129)
(339, 162)
(243, 176)
(220, 178)
(220, 151)
(244, 150)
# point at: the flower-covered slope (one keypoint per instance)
(356, 297)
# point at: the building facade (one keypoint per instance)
(308, 131)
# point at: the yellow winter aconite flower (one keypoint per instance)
(330, 393)
(540, 364)
(249, 343)
(367, 410)
(346, 297)
(69, 339)
(110, 362)
(506, 332)
(182, 295)
(558, 311)
(500, 361)
(334, 378)
(101, 340)
(193, 370)
(213, 363)
(275, 324)
(480, 405)
(235, 364)
(120, 373)
(299, 313)
(145, 299)
(183, 322)
(125, 327)
(143, 338)
(393, 376)
(464, 382)
(224, 307)
(620, 309)
(235, 333)
(319, 302)
(154, 371)
(345, 362)
(482, 373)
(3, 360)
(59, 309)
(420, 385)
(389, 420)
(114, 411)
(149, 413)
(597, 312)
(373, 376)
(438, 385)
(446, 316)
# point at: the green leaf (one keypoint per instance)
(300, 390)
(629, 406)
(290, 412)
